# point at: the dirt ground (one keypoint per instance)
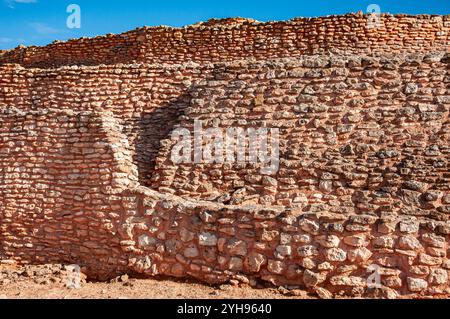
(51, 282)
(57, 282)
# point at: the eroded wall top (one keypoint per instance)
(230, 39)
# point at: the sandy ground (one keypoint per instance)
(50, 282)
(54, 282)
(138, 289)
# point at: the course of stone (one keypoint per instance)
(86, 175)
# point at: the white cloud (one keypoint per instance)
(11, 41)
(44, 29)
(11, 3)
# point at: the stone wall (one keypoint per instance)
(86, 175)
(240, 38)
(329, 254)
(146, 98)
(108, 49)
(69, 194)
(58, 173)
(357, 134)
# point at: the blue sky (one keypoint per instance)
(39, 22)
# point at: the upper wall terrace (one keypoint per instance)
(231, 39)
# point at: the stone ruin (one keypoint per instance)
(359, 206)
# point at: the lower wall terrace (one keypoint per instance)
(324, 252)
(69, 194)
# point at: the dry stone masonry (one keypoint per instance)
(231, 39)
(360, 203)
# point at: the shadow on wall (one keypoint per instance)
(154, 127)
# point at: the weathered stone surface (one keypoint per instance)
(328, 241)
(307, 251)
(191, 252)
(359, 255)
(311, 279)
(438, 276)
(275, 266)
(235, 264)
(409, 243)
(335, 254)
(347, 281)
(409, 227)
(309, 226)
(207, 239)
(237, 247)
(416, 284)
(186, 235)
(145, 241)
(322, 293)
(356, 240)
(384, 242)
(284, 250)
(86, 169)
(254, 261)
